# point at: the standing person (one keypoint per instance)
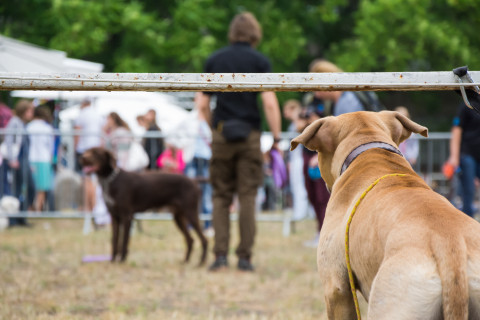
(90, 124)
(5, 116)
(118, 138)
(335, 102)
(317, 192)
(465, 153)
(291, 111)
(42, 143)
(18, 145)
(171, 160)
(153, 146)
(236, 164)
(198, 168)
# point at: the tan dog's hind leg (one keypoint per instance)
(473, 272)
(407, 286)
(339, 299)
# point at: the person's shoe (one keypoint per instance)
(245, 265)
(219, 264)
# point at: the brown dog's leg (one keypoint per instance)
(115, 244)
(126, 225)
(196, 226)
(182, 225)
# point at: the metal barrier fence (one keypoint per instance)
(432, 151)
(67, 202)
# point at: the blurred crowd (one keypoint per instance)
(226, 161)
(291, 180)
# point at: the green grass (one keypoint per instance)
(42, 277)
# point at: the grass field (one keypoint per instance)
(42, 276)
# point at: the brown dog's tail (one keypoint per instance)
(451, 259)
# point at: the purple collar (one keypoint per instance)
(364, 147)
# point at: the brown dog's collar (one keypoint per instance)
(364, 147)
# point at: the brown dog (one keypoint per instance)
(126, 193)
(413, 254)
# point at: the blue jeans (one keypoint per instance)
(470, 169)
(199, 168)
(4, 185)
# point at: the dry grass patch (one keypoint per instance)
(42, 277)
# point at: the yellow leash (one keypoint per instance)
(347, 248)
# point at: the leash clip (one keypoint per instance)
(462, 76)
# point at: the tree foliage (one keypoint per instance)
(178, 36)
(416, 35)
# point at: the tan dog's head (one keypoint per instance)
(99, 161)
(335, 137)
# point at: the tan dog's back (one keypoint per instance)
(414, 256)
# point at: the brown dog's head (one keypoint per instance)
(99, 161)
(335, 137)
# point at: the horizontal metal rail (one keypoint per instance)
(356, 81)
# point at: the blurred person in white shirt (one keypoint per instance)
(40, 155)
(90, 123)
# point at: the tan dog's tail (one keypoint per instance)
(451, 262)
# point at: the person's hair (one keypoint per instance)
(22, 106)
(153, 121)
(43, 112)
(321, 65)
(292, 103)
(119, 122)
(86, 100)
(245, 28)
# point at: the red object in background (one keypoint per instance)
(448, 170)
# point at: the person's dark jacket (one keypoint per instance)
(153, 146)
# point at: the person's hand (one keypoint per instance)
(313, 162)
(14, 164)
(454, 161)
(275, 146)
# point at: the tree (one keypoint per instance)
(411, 35)
(178, 36)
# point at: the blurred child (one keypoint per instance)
(291, 112)
(41, 154)
(171, 160)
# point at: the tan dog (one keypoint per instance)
(413, 255)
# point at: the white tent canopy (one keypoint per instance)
(19, 56)
(127, 104)
(177, 123)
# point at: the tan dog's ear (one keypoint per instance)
(412, 126)
(315, 137)
(401, 131)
